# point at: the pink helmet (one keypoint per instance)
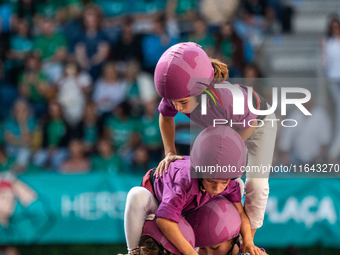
(215, 222)
(218, 152)
(180, 68)
(151, 229)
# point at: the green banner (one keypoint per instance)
(65, 209)
(53, 208)
(302, 213)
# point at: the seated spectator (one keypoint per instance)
(56, 134)
(90, 128)
(6, 163)
(230, 48)
(151, 134)
(76, 163)
(155, 44)
(21, 44)
(122, 129)
(52, 9)
(140, 161)
(256, 17)
(128, 46)
(109, 90)
(141, 88)
(8, 93)
(73, 89)
(52, 48)
(252, 78)
(20, 129)
(106, 160)
(5, 25)
(25, 9)
(92, 48)
(201, 36)
(217, 13)
(33, 85)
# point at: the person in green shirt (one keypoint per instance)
(33, 85)
(122, 129)
(201, 36)
(151, 134)
(52, 47)
(106, 160)
(56, 135)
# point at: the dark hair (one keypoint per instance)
(148, 246)
(334, 18)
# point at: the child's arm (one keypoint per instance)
(171, 231)
(167, 127)
(248, 244)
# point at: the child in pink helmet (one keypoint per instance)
(154, 242)
(180, 191)
(217, 226)
(181, 74)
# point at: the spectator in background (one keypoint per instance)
(52, 9)
(56, 134)
(331, 61)
(141, 88)
(6, 163)
(33, 85)
(123, 130)
(109, 90)
(90, 128)
(230, 48)
(52, 48)
(256, 17)
(76, 163)
(21, 44)
(307, 143)
(128, 46)
(217, 12)
(252, 78)
(5, 26)
(25, 9)
(73, 89)
(201, 36)
(8, 93)
(156, 43)
(20, 129)
(92, 48)
(106, 160)
(151, 134)
(140, 162)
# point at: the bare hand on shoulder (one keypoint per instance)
(164, 164)
(251, 248)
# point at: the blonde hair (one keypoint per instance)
(220, 69)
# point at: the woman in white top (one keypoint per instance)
(331, 60)
(73, 89)
(109, 90)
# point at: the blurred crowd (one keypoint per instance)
(76, 76)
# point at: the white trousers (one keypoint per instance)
(139, 204)
(260, 146)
